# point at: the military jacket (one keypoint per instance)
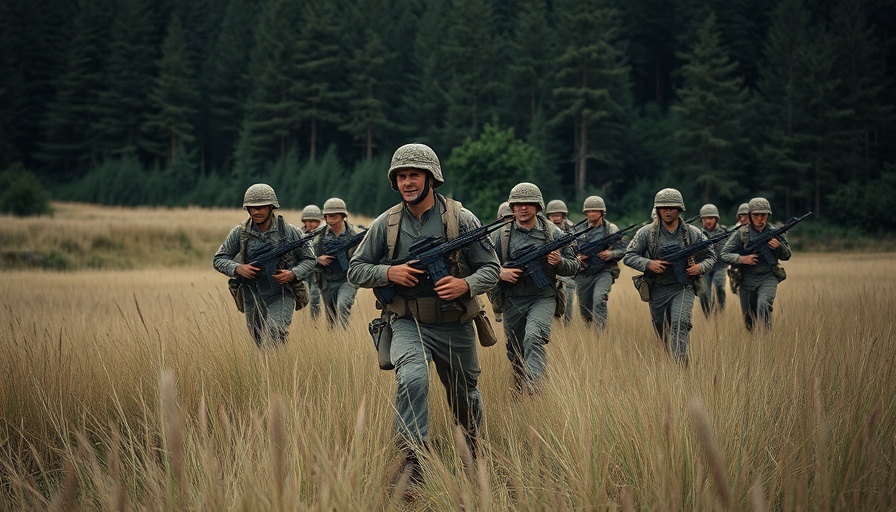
(618, 249)
(717, 247)
(639, 253)
(371, 261)
(332, 272)
(734, 248)
(520, 241)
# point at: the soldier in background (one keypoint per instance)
(760, 280)
(337, 293)
(557, 212)
(670, 301)
(311, 219)
(595, 278)
(528, 309)
(715, 278)
(506, 213)
(429, 321)
(743, 215)
(268, 301)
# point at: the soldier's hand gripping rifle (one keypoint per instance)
(679, 257)
(431, 253)
(265, 256)
(592, 248)
(339, 249)
(531, 259)
(759, 245)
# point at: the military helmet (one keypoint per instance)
(526, 193)
(334, 205)
(759, 205)
(709, 210)
(416, 156)
(260, 194)
(594, 203)
(312, 212)
(669, 198)
(504, 210)
(743, 209)
(556, 206)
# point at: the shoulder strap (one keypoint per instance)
(653, 242)
(505, 241)
(393, 223)
(450, 217)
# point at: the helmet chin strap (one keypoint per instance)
(423, 193)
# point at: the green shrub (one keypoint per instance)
(21, 193)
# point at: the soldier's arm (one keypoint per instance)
(730, 252)
(480, 256)
(634, 253)
(365, 269)
(224, 261)
(618, 249)
(783, 252)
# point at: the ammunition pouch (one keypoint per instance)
(642, 284)
(779, 272)
(484, 330)
(236, 291)
(381, 333)
(433, 310)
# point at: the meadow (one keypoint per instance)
(131, 383)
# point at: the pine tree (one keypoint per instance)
(711, 104)
(533, 51)
(427, 99)
(175, 95)
(591, 91)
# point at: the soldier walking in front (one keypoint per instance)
(671, 302)
(337, 293)
(429, 321)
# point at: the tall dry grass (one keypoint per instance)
(141, 390)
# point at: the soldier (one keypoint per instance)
(670, 301)
(528, 309)
(715, 278)
(504, 211)
(734, 273)
(558, 213)
(760, 281)
(429, 321)
(337, 293)
(268, 300)
(743, 215)
(594, 280)
(311, 219)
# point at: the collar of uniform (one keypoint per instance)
(426, 215)
(537, 231)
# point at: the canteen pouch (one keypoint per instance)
(484, 330)
(643, 287)
(236, 291)
(779, 272)
(381, 332)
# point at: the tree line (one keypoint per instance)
(164, 102)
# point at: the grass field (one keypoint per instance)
(138, 388)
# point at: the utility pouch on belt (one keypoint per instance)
(381, 332)
(643, 286)
(779, 272)
(484, 330)
(236, 291)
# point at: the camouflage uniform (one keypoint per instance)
(759, 286)
(715, 278)
(671, 302)
(269, 306)
(528, 309)
(337, 293)
(449, 342)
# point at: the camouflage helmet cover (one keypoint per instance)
(594, 203)
(334, 205)
(526, 193)
(416, 156)
(709, 210)
(504, 210)
(669, 198)
(312, 212)
(260, 194)
(743, 209)
(759, 205)
(556, 206)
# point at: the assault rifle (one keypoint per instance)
(339, 249)
(266, 255)
(430, 254)
(678, 256)
(530, 261)
(759, 245)
(692, 219)
(592, 248)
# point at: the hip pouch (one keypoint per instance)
(236, 291)
(381, 333)
(643, 286)
(779, 272)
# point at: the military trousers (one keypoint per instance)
(714, 292)
(338, 298)
(313, 296)
(268, 314)
(757, 298)
(670, 309)
(527, 325)
(452, 348)
(594, 292)
(569, 288)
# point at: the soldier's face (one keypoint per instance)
(594, 216)
(333, 219)
(311, 225)
(524, 212)
(410, 183)
(556, 218)
(759, 220)
(260, 214)
(667, 215)
(709, 223)
(743, 219)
